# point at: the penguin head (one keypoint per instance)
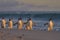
(3, 18)
(50, 19)
(10, 19)
(29, 19)
(20, 18)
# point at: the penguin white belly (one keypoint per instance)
(3, 23)
(30, 25)
(10, 24)
(20, 24)
(50, 27)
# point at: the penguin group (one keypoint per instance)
(19, 23)
(28, 25)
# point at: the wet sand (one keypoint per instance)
(15, 34)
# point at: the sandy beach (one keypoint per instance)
(16, 34)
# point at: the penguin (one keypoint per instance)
(50, 25)
(3, 23)
(29, 24)
(10, 24)
(20, 24)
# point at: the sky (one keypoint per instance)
(29, 5)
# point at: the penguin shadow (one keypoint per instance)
(21, 37)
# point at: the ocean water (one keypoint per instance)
(40, 18)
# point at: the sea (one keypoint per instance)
(38, 17)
